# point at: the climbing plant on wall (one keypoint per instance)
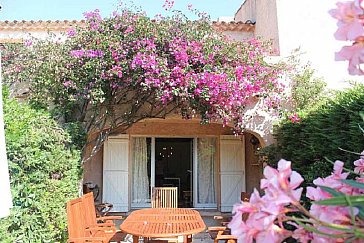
(112, 72)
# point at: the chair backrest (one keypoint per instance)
(89, 207)
(76, 219)
(165, 197)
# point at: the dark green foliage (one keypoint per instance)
(44, 174)
(332, 125)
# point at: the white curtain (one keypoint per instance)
(5, 199)
(206, 148)
(140, 171)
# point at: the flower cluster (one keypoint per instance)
(350, 28)
(294, 118)
(269, 215)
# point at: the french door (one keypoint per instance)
(200, 177)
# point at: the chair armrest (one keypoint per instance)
(226, 237)
(110, 218)
(216, 228)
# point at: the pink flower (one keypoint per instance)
(28, 43)
(359, 3)
(359, 164)
(349, 24)
(71, 32)
(355, 55)
(294, 118)
(301, 234)
(129, 29)
(281, 185)
(77, 53)
(69, 84)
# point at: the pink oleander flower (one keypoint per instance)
(301, 233)
(359, 3)
(355, 55)
(281, 185)
(350, 26)
(359, 164)
(281, 189)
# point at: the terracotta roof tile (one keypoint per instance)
(233, 26)
(32, 25)
(64, 25)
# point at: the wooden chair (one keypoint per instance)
(222, 233)
(110, 230)
(165, 197)
(77, 230)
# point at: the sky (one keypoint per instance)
(73, 9)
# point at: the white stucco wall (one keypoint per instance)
(246, 12)
(264, 13)
(16, 34)
(239, 35)
(308, 25)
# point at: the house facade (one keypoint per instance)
(208, 163)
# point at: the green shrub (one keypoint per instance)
(324, 131)
(44, 173)
(306, 88)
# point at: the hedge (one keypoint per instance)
(323, 132)
(44, 171)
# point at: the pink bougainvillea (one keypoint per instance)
(162, 62)
(294, 118)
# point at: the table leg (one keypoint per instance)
(135, 239)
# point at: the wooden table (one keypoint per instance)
(163, 223)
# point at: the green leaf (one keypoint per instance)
(354, 183)
(361, 212)
(342, 201)
(314, 230)
(333, 192)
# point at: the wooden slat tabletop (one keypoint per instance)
(163, 222)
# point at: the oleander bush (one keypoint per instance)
(44, 171)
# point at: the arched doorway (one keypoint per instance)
(253, 165)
